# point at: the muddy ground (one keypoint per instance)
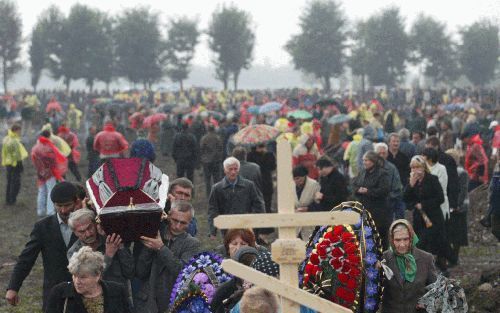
(16, 223)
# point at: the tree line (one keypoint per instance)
(92, 45)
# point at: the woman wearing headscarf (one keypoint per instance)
(411, 269)
(424, 196)
(306, 153)
(371, 188)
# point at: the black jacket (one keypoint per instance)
(45, 237)
(115, 299)
(185, 148)
(267, 163)
(334, 190)
(243, 198)
(375, 200)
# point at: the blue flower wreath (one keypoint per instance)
(203, 274)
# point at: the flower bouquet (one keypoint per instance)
(193, 301)
(202, 275)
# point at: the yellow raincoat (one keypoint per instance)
(60, 143)
(13, 150)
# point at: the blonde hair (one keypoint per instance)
(259, 300)
(86, 261)
(419, 160)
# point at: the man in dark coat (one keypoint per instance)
(267, 163)
(162, 258)
(185, 153)
(248, 170)
(51, 236)
(399, 159)
(333, 185)
(211, 156)
(233, 195)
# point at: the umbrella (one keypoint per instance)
(254, 110)
(339, 119)
(255, 134)
(300, 114)
(153, 119)
(270, 107)
(53, 106)
(181, 108)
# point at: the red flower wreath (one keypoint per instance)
(334, 267)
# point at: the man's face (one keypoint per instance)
(299, 180)
(394, 143)
(178, 222)
(86, 231)
(232, 171)
(416, 138)
(382, 153)
(401, 240)
(325, 171)
(65, 209)
(181, 193)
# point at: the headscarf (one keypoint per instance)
(420, 160)
(406, 262)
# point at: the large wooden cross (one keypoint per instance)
(288, 251)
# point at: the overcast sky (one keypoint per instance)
(275, 21)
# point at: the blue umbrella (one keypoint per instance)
(270, 107)
(254, 110)
(339, 119)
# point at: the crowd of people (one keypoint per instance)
(410, 157)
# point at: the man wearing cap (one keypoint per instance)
(51, 236)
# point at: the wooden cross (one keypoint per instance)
(288, 251)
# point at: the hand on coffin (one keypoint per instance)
(153, 243)
(302, 209)
(113, 244)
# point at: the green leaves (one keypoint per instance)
(10, 40)
(479, 52)
(319, 48)
(232, 41)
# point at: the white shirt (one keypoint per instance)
(439, 170)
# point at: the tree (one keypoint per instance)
(479, 52)
(10, 40)
(232, 40)
(319, 48)
(183, 37)
(37, 55)
(139, 46)
(358, 60)
(433, 49)
(386, 47)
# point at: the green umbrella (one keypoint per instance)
(300, 114)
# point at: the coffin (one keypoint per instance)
(129, 196)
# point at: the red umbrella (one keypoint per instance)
(153, 119)
(53, 105)
(136, 119)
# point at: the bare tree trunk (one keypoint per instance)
(5, 75)
(327, 84)
(235, 81)
(181, 83)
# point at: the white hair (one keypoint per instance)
(86, 261)
(80, 215)
(380, 145)
(231, 161)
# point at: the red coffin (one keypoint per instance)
(129, 196)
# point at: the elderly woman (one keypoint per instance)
(87, 293)
(306, 153)
(371, 187)
(412, 270)
(236, 238)
(424, 195)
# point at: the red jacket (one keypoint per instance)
(48, 160)
(109, 141)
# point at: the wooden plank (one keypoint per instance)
(285, 219)
(285, 184)
(288, 251)
(282, 289)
